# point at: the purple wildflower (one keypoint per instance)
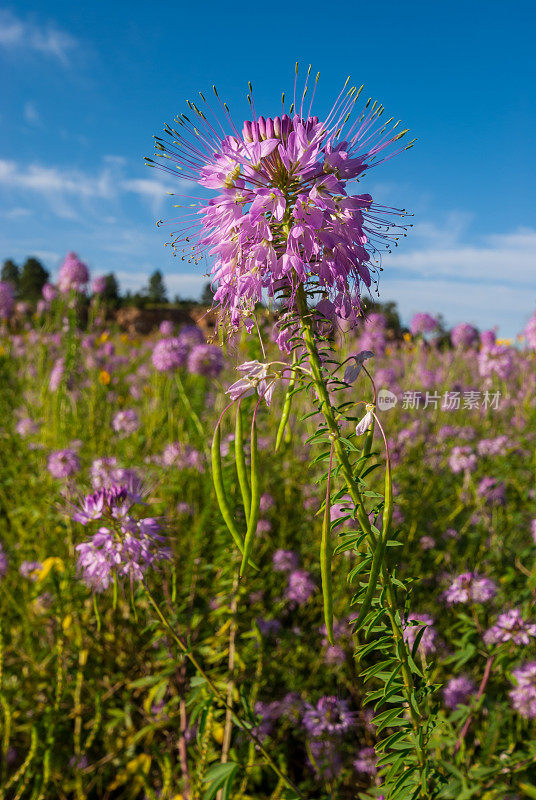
(169, 354)
(427, 542)
(510, 627)
(42, 307)
(464, 335)
(56, 374)
(266, 503)
(257, 376)
(92, 507)
(100, 470)
(352, 370)
(49, 292)
(496, 360)
(98, 285)
(423, 323)
(137, 548)
(330, 716)
(343, 508)
(487, 338)
(182, 456)
(7, 300)
(428, 641)
(63, 463)
(530, 332)
(373, 337)
(300, 586)
(523, 694)
(470, 588)
(73, 274)
(29, 569)
(265, 240)
(462, 459)
(126, 421)
(190, 335)
(285, 560)
(458, 691)
(205, 359)
(3, 562)
(26, 427)
(367, 761)
(493, 447)
(166, 327)
(492, 490)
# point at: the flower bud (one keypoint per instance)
(270, 132)
(246, 131)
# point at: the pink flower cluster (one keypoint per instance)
(284, 215)
(73, 275)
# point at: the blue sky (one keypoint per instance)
(85, 86)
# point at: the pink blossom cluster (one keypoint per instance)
(284, 214)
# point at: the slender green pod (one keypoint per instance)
(240, 460)
(326, 553)
(217, 477)
(286, 410)
(381, 545)
(375, 567)
(255, 497)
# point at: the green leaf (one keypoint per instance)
(217, 776)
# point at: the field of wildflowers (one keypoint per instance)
(103, 432)
(296, 561)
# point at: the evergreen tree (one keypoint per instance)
(32, 279)
(11, 274)
(156, 288)
(111, 294)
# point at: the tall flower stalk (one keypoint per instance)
(286, 224)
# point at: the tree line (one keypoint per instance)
(29, 278)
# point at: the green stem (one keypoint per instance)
(189, 409)
(364, 522)
(216, 692)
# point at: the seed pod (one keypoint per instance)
(240, 460)
(255, 498)
(217, 477)
(286, 410)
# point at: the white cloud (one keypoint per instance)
(488, 283)
(31, 114)
(18, 213)
(63, 189)
(511, 255)
(152, 189)
(484, 305)
(67, 189)
(18, 35)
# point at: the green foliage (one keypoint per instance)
(98, 699)
(156, 288)
(11, 274)
(33, 277)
